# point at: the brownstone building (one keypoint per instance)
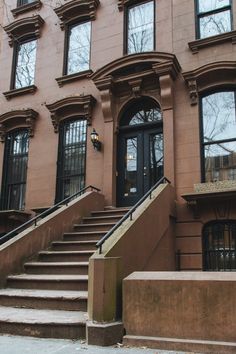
(154, 82)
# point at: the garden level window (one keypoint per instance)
(15, 170)
(24, 64)
(78, 48)
(219, 136)
(140, 28)
(214, 17)
(219, 246)
(24, 2)
(71, 158)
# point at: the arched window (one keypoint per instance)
(219, 246)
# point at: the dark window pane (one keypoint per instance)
(131, 167)
(15, 170)
(25, 66)
(72, 154)
(223, 155)
(145, 116)
(214, 24)
(219, 241)
(79, 48)
(141, 28)
(156, 157)
(209, 5)
(219, 118)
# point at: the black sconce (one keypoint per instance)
(95, 140)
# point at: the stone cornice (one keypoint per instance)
(122, 3)
(66, 79)
(196, 45)
(35, 5)
(68, 107)
(134, 74)
(24, 118)
(206, 77)
(77, 10)
(23, 28)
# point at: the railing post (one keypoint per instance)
(178, 260)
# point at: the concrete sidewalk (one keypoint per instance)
(25, 345)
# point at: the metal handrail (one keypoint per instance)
(47, 212)
(130, 213)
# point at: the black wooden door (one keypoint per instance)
(139, 164)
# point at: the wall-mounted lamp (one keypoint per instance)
(95, 140)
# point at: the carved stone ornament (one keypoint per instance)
(221, 73)
(73, 106)
(122, 3)
(35, 5)
(24, 118)
(77, 10)
(25, 27)
(132, 75)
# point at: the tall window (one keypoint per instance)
(24, 2)
(214, 17)
(78, 48)
(71, 158)
(140, 28)
(25, 59)
(15, 170)
(219, 246)
(219, 136)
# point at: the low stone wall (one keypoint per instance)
(34, 239)
(192, 311)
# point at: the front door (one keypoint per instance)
(140, 163)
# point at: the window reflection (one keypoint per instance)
(79, 48)
(140, 28)
(214, 17)
(219, 136)
(25, 66)
(156, 157)
(131, 167)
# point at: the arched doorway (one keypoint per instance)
(219, 246)
(139, 150)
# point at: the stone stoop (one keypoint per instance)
(50, 299)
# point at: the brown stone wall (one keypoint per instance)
(175, 27)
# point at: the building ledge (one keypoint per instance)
(209, 196)
(66, 79)
(35, 5)
(196, 45)
(20, 91)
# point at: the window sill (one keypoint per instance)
(196, 45)
(66, 79)
(20, 91)
(36, 5)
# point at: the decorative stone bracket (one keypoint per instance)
(25, 27)
(208, 76)
(134, 75)
(68, 107)
(17, 119)
(78, 10)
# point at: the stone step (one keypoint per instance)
(42, 323)
(83, 236)
(65, 256)
(44, 299)
(110, 212)
(74, 245)
(48, 281)
(102, 219)
(93, 227)
(79, 268)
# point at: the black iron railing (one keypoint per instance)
(42, 215)
(129, 214)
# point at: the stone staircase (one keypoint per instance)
(50, 298)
